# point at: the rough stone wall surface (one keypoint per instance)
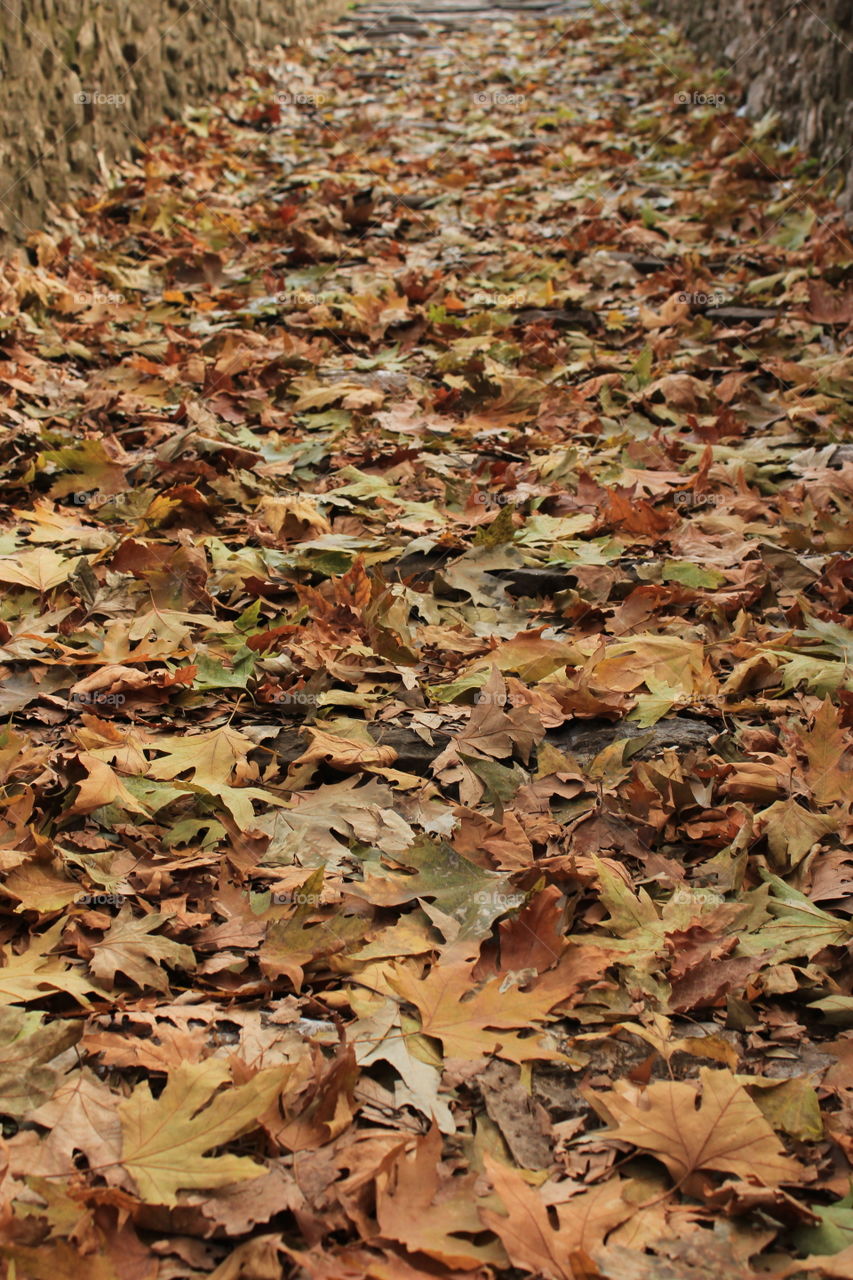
(81, 79)
(796, 59)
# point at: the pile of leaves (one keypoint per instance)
(426, 682)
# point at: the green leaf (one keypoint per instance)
(835, 1231)
(435, 871)
(212, 674)
(691, 575)
(800, 928)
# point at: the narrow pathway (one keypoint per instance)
(425, 652)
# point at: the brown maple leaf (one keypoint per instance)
(528, 1235)
(726, 1132)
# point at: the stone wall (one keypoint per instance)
(796, 59)
(80, 80)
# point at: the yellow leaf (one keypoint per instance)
(103, 786)
(164, 1139)
(36, 973)
(40, 569)
(211, 758)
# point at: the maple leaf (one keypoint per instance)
(800, 928)
(131, 946)
(292, 516)
(471, 1022)
(353, 395)
(292, 944)
(412, 530)
(27, 1046)
(380, 1038)
(60, 1258)
(526, 1232)
(726, 1132)
(494, 732)
(430, 1213)
(211, 758)
(42, 885)
(792, 831)
(318, 1113)
(34, 973)
(435, 871)
(102, 787)
(164, 1139)
(827, 748)
(40, 569)
(345, 743)
(81, 1116)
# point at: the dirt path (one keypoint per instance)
(426, 661)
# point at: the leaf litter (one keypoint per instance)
(426, 680)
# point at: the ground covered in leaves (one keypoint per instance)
(426, 682)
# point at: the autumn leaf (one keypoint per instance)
(291, 944)
(80, 1116)
(828, 752)
(36, 972)
(28, 1045)
(164, 1139)
(526, 1232)
(380, 1038)
(426, 662)
(483, 1020)
(212, 759)
(799, 927)
(132, 947)
(429, 1213)
(722, 1129)
(344, 743)
(40, 570)
(434, 871)
(102, 786)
